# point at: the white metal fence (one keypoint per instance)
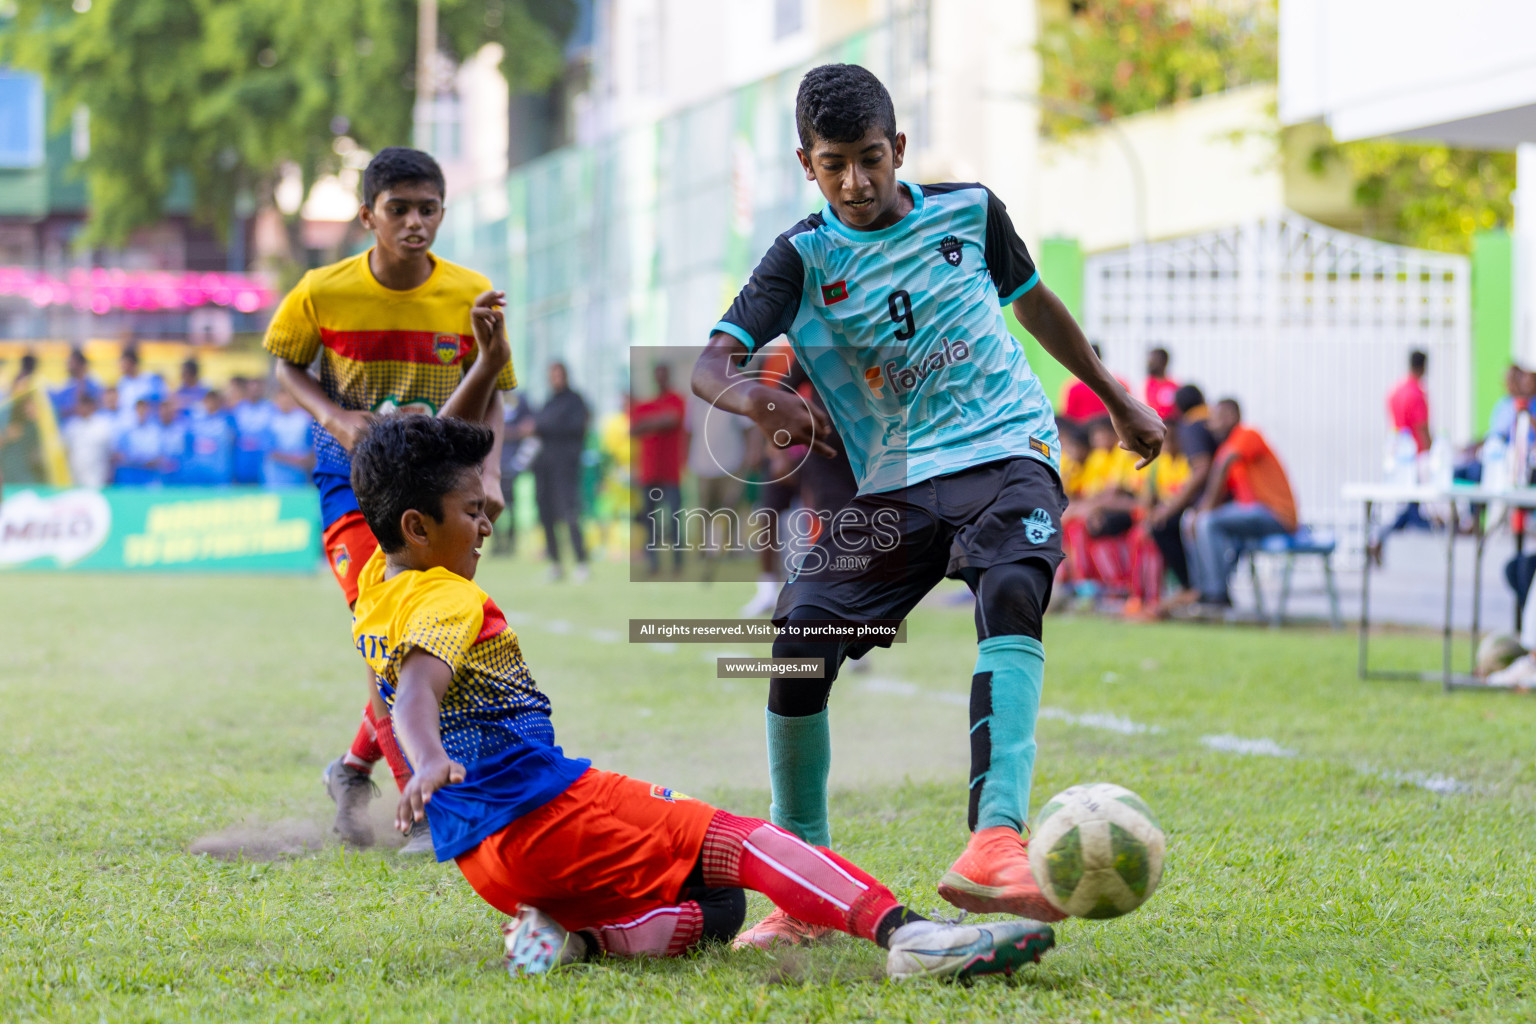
(1306, 326)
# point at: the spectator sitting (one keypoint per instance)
(251, 415)
(191, 392)
(1159, 389)
(1197, 446)
(137, 449)
(109, 406)
(1078, 402)
(1501, 421)
(88, 440)
(173, 443)
(1261, 505)
(66, 400)
(1074, 452)
(290, 453)
(132, 385)
(1096, 522)
(210, 444)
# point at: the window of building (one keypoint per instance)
(21, 120)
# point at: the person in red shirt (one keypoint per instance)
(1248, 498)
(658, 427)
(1408, 408)
(1078, 402)
(1160, 388)
(1408, 405)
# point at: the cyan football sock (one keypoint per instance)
(1005, 700)
(799, 761)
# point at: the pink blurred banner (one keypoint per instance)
(101, 290)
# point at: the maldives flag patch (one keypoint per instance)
(835, 292)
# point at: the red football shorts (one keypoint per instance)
(348, 546)
(608, 847)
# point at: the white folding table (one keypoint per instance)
(1401, 494)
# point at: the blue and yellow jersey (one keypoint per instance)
(902, 332)
(380, 350)
(493, 718)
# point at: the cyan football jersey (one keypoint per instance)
(902, 332)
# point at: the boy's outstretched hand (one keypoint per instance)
(432, 777)
(1140, 429)
(490, 325)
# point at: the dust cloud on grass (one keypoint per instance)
(260, 841)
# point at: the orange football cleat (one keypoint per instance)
(992, 876)
(778, 928)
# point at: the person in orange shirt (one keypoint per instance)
(1247, 470)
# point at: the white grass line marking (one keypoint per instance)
(1263, 747)
(605, 636)
(662, 648)
(1434, 783)
(559, 627)
(1099, 720)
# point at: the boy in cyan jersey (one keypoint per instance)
(891, 297)
(586, 862)
(391, 328)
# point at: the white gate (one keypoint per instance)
(1308, 327)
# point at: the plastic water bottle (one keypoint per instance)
(1441, 471)
(1405, 460)
(1495, 463)
(1520, 451)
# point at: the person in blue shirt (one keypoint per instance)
(133, 384)
(290, 452)
(80, 383)
(137, 452)
(190, 394)
(251, 413)
(173, 443)
(210, 443)
(892, 298)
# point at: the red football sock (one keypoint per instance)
(365, 750)
(385, 728)
(664, 931)
(812, 884)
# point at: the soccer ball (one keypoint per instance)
(1096, 851)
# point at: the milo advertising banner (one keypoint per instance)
(223, 529)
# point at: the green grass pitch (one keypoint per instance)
(1338, 850)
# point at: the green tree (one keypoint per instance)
(1109, 58)
(1423, 194)
(228, 91)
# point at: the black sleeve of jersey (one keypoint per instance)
(1012, 268)
(766, 307)
(1196, 440)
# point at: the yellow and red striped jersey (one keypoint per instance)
(380, 349)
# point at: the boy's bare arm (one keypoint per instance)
(423, 680)
(345, 425)
(472, 398)
(781, 415)
(1047, 318)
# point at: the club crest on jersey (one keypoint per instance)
(951, 249)
(1038, 526)
(907, 378)
(446, 348)
(833, 293)
(341, 558)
